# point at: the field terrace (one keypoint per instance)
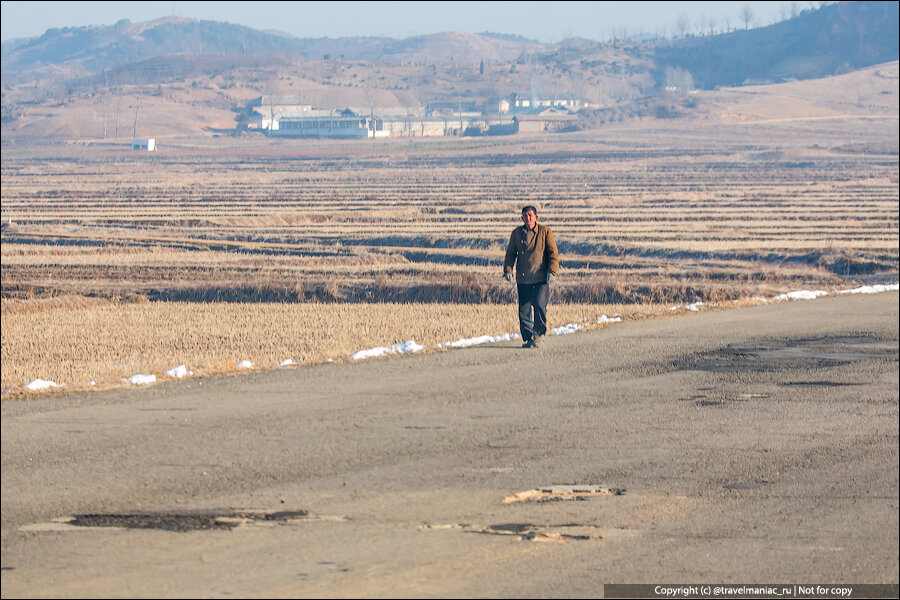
(640, 216)
(218, 252)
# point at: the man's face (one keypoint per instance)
(529, 217)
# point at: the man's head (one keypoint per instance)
(529, 216)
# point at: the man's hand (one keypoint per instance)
(509, 276)
(550, 277)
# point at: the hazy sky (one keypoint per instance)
(543, 21)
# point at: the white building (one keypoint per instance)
(148, 145)
(325, 123)
(515, 102)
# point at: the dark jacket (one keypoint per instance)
(533, 253)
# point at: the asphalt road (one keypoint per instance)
(753, 445)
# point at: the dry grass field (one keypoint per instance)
(214, 250)
(79, 342)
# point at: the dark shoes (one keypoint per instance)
(534, 343)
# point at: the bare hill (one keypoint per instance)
(835, 39)
(203, 105)
(866, 92)
(82, 51)
(178, 76)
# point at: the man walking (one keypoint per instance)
(533, 259)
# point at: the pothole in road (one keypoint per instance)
(702, 400)
(705, 402)
(531, 533)
(774, 355)
(562, 493)
(572, 532)
(511, 528)
(179, 522)
(818, 384)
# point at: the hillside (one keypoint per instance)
(189, 109)
(177, 76)
(81, 51)
(835, 39)
(867, 92)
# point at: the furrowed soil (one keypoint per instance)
(643, 214)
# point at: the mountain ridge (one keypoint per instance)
(835, 38)
(210, 70)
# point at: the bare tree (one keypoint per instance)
(118, 110)
(679, 80)
(682, 25)
(746, 16)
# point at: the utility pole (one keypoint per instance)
(134, 130)
(533, 84)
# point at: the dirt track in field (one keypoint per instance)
(751, 445)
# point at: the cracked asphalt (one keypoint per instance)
(754, 445)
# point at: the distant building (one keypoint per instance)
(514, 102)
(545, 119)
(348, 124)
(261, 112)
(326, 123)
(280, 119)
(285, 116)
(148, 145)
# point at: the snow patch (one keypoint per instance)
(872, 289)
(141, 379)
(566, 329)
(573, 327)
(176, 372)
(813, 294)
(286, 363)
(483, 339)
(404, 348)
(40, 384)
(244, 364)
(801, 295)
(407, 347)
(370, 353)
(695, 307)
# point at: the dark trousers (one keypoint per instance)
(533, 297)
